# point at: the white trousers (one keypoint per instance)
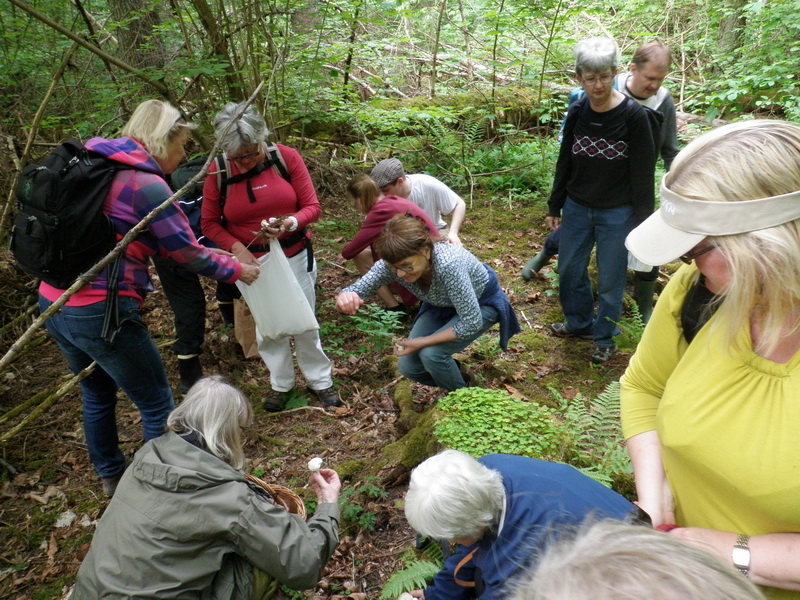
(311, 358)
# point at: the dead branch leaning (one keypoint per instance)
(134, 232)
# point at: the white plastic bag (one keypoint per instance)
(634, 264)
(279, 306)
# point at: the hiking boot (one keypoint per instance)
(190, 371)
(328, 397)
(226, 310)
(603, 354)
(110, 483)
(561, 330)
(466, 374)
(275, 401)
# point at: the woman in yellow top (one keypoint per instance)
(711, 399)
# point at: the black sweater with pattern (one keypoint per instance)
(606, 160)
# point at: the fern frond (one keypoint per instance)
(415, 576)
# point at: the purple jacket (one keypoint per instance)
(134, 194)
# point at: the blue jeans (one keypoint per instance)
(133, 364)
(434, 365)
(582, 228)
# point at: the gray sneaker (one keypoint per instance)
(603, 354)
(561, 330)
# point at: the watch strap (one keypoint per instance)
(741, 554)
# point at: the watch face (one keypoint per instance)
(741, 557)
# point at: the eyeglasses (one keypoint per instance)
(696, 252)
(604, 79)
(242, 157)
(405, 268)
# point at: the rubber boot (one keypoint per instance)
(226, 310)
(643, 295)
(535, 265)
(190, 371)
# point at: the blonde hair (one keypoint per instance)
(364, 192)
(216, 412)
(611, 560)
(154, 124)
(452, 495)
(743, 161)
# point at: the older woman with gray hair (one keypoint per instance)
(186, 523)
(499, 509)
(266, 182)
(602, 188)
(610, 560)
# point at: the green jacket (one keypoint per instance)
(185, 524)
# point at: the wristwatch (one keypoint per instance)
(294, 223)
(740, 555)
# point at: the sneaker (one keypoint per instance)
(328, 396)
(275, 401)
(561, 330)
(603, 354)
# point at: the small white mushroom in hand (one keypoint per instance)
(315, 464)
(405, 596)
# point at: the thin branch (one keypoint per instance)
(91, 47)
(134, 232)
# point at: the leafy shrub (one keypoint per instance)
(354, 503)
(379, 325)
(479, 421)
(596, 435)
(631, 328)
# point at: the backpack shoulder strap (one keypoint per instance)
(275, 157)
(223, 174)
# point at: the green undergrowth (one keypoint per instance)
(584, 433)
(418, 569)
(480, 421)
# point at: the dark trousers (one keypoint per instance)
(188, 302)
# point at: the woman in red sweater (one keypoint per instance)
(257, 191)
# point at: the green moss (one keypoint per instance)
(348, 470)
(414, 447)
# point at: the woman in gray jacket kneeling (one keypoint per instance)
(185, 522)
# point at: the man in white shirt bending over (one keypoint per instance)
(427, 192)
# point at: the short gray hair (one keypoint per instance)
(216, 412)
(248, 130)
(596, 55)
(451, 495)
(611, 560)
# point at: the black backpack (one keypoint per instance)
(192, 201)
(60, 230)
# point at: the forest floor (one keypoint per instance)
(50, 498)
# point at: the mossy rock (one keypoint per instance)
(349, 469)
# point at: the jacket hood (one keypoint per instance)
(126, 151)
(171, 463)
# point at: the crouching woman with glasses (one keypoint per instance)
(461, 299)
